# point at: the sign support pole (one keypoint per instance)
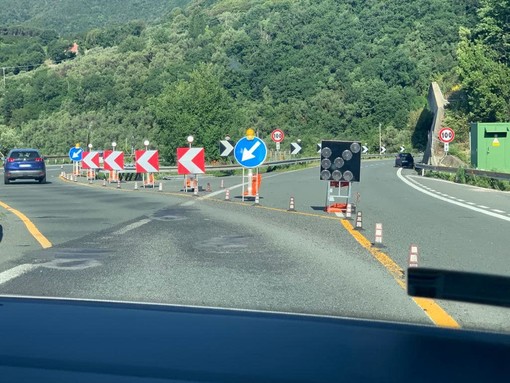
(242, 192)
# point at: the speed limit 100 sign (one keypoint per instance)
(277, 135)
(446, 135)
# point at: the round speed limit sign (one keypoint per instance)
(446, 135)
(277, 135)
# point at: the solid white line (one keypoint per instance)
(132, 226)
(498, 211)
(486, 212)
(483, 207)
(15, 272)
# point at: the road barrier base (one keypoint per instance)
(336, 208)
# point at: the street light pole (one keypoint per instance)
(380, 140)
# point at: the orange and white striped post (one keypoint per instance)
(348, 211)
(359, 223)
(378, 234)
(292, 207)
(413, 256)
(227, 195)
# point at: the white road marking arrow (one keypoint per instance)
(228, 148)
(365, 149)
(248, 153)
(296, 148)
(187, 161)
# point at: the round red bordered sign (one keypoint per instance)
(277, 135)
(446, 135)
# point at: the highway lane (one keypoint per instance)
(304, 262)
(164, 248)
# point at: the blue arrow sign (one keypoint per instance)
(250, 153)
(75, 154)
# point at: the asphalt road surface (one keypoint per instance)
(81, 240)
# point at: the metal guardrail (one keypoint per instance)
(473, 172)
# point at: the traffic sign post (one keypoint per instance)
(147, 161)
(446, 135)
(226, 148)
(76, 154)
(277, 135)
(340, 166)
(250, 152)
(295, 148)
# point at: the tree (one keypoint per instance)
(485, 80)
(199, 106)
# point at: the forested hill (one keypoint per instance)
(316, 69)
(69, 17)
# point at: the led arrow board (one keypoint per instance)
(340, 161)
(250, 153)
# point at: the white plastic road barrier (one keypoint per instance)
(118, 184)
(104, 182)
(160, 187)
(136, 185)
(348, 211)
(195, 189)
(75, 178)
(413, 256)
(221, 185)
(359, 223)
(227, 195)
(292, 207)
(378, 233)
(257, 200)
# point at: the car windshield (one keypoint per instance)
(288, 156)
(24, 155)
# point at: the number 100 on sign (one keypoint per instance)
(446, 135)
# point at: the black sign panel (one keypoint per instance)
(340, 161)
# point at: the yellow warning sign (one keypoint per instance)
(495, 142)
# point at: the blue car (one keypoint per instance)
(24, 164)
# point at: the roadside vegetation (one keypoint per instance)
(315, 69)
(462, 177)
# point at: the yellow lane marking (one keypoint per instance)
(435, 312)
(33, 230)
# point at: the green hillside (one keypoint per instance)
(316, 69)
(69, 17)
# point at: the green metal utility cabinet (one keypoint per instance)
(490, 146)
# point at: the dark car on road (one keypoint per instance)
(24, 164)
(404, 160)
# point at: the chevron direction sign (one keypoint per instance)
(147, 161)
(190, 160)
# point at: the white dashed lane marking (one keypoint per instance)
(496, 213)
